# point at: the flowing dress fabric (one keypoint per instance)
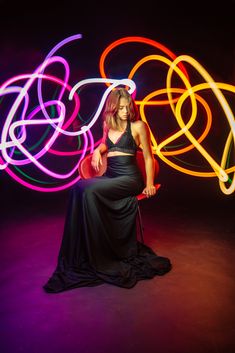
(99, 242)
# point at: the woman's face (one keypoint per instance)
(123, 109)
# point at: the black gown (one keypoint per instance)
(99, 242)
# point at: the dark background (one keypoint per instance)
(190, 220)
(202, 29)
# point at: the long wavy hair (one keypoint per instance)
(112, 105)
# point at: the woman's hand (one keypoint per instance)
(96, 160)
(149, 191)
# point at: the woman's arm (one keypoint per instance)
(96, 160)
(145, 141)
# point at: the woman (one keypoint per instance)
(99, 242)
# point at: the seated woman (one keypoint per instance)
(99, 243)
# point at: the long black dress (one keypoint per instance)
(99, 242)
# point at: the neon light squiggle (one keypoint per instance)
(41, 126)
(188, 93)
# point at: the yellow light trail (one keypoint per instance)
(190, 93)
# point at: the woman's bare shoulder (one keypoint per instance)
(139, 125)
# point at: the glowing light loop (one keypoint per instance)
(60, 119)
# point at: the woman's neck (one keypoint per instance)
(122, 125)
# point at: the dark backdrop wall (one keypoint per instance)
(203, 30)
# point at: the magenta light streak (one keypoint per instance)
(31, 79)
(39, 188)
(49, 120)
(67, 71)
(14, 133)
(57, 188)
(7, 144)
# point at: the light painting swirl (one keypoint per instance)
(44, 135)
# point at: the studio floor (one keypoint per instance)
(189, 310)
